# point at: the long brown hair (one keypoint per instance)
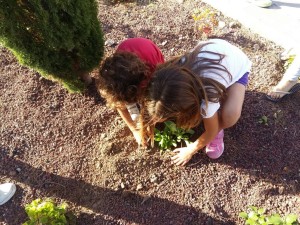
(178, 88)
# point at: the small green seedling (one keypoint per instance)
(263, 120)
(46, 212)
(171, 135)
(257, 216)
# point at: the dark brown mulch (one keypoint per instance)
(73, 148)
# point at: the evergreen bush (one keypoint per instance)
(62, 40)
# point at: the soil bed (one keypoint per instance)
(75, 149)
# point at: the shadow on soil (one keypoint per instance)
(265, 149)
(109, 204)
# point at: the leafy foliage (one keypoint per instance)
(59, 39)
(171, 135)
(257, 216)
(263, 120)
(45, 212)
(205, 20)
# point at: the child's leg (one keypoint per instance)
(232, 106)
(289, 80)
(229, 115)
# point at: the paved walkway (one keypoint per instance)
(279, 23)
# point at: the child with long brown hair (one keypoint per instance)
(206, 84)
(124, 77)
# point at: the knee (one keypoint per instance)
(230, 117)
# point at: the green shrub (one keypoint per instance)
(46, 212)
(62, 40)
(257, 216)
(171, 135)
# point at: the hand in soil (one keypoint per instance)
(183, 155)
(138, 138)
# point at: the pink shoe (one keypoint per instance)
(215, 148)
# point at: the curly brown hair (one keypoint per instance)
(120, 78)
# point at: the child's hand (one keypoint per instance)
(138, 137)
(183, 155)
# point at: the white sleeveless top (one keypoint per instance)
(236, 62)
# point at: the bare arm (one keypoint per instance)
(211, 126)
(184, 154)
(131, 124)
(127, 118)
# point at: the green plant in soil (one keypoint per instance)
(263, 120)
(46, 212)
(171, 136)
(257, 216)
(62, 40)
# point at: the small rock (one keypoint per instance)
(153, 178)
(122, 185)
(109, 42)
(221, 25)
(286, 169)
(98, 165)
(18, 170)
(281, 190)
(164, 43)
(139, 187)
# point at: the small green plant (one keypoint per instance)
(46, 212)
(289, 61)
(205, 20)
(257, 216)
(171, 135)
(263, 120)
